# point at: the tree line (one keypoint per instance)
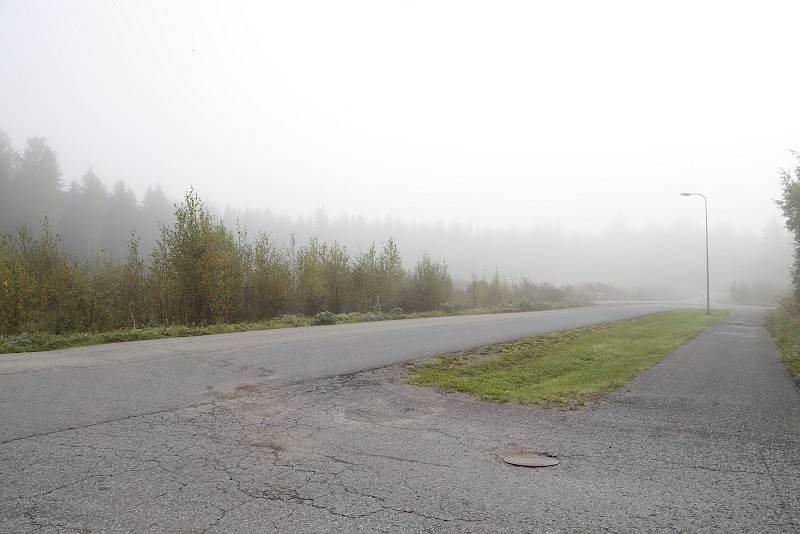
(659, 261)
(91, 219)
(82, 257)
(200, 271)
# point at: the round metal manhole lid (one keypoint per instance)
(531, 460)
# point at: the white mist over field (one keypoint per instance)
(543, 139)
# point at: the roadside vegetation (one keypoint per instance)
(43, 340)
(784, 322)
(201, 277)
(568, 368)
(784, 326)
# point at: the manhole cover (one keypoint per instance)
(531, 460)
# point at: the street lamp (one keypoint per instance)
(708, 278)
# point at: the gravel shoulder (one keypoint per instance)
(707, 440)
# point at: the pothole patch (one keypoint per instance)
(531, 460)
(245, 390)
(522, 456)
(258, 410)
(376, 409)
(284, 447)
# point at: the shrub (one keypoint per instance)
(324, 317)
(524, 304)
(446, 307)
(429, 284)
(199, 264)
(22, 340)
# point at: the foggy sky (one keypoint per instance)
(499, 114)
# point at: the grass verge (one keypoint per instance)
(785, 328)
(565, 368)
(42, 341)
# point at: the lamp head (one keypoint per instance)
(686, 194)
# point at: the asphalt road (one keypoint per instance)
(58, 390)
(706, 441)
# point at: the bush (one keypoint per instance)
(523, 304)
(446, 307)
(22, 340)
(199, 265)
(428, 285)
(324, 317)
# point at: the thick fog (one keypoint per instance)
(658, 261)
(96, 221)
(544, 140)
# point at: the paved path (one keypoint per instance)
(708, 440)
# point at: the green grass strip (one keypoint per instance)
(784, 326)
(565, 368)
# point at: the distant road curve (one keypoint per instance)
(50, 391)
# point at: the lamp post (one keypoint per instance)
(708, 278)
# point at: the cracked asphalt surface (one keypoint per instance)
(706, 441)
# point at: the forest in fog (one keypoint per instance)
(258, 264)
